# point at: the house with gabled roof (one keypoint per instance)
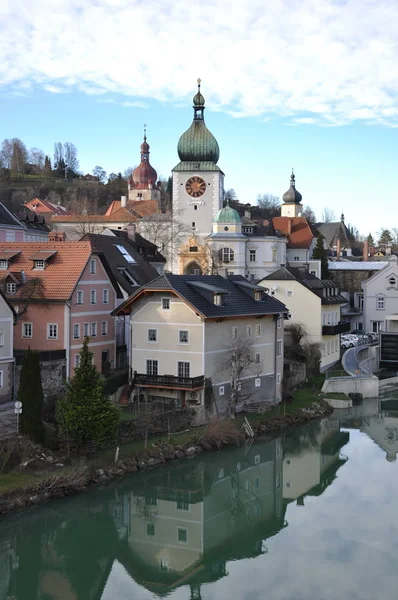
(46, 207)
(188, 329)
(313, 303)
(61, 292)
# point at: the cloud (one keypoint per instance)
(334, 60)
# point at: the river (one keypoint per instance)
(310, 514)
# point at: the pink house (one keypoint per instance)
(62, 292)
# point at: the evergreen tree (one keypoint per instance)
(370, 240)
(30, 393)
(385, 238)
(320, 253)
(47, 166)
(86, 418)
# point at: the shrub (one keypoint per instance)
(30, 393)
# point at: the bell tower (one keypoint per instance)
(292, 206)
(198, 182)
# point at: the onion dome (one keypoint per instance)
(228, 215)
(197, 143)
(144, 175)
(292, 196)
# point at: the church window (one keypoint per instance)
(252, 255)
(226, 255)
(226, 228)
(193, 225)
(193, 249)
(195, 207)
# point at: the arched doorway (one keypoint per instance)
(193, 269)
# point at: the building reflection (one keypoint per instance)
(176, 526)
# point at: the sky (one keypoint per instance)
(310, 85)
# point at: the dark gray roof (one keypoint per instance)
(292, 195)
(140, 270)
(26, 217)
(334, 231)
(316, 285)
(147, 249)
(7, 218)
(197, 290)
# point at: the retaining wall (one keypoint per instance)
(367, 386)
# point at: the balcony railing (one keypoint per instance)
(169, 381)
(336, 329)
(351, 310)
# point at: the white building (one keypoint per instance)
(187, 329)
(380, 299)
(313, 303)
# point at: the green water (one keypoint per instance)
(310, 514)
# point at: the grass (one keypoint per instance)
(126, 416)
(336, 396)
(16, 480)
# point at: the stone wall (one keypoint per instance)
(52, 377)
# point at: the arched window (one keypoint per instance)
(226, 255)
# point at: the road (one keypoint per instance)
(7, 419)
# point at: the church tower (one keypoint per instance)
(198, 182)
(292, 206)
(143, 181)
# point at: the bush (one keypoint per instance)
(30, 393)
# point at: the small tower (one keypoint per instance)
(143, 183)
(292, 206)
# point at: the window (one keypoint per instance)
(152, 335)
(105, 296)
(1, 339)
(257, 459)
(183, 369)
(151, 501)
(76, 331)
(274, 254)
(217, 299)
(278, 378)
(27, 330)
(104, 327)
(391, 280)
(258, 296)
(183, 337)
(193, 225)
(11, 288)
(258, 330)
(221, 390)
(313, 273)
(257, 483)
(296, 258)
(80, 297)
(279, 347)
(93, 297)
(39, 264)
(289, 293)
(257, 382)
(279, 323)
(151, 367)
(252, 256)
(182, 505)
(164, 564)
(52, 331)
(165, 303)
(1, 379)
(249, 331)
(234, 333)
(380, 303)
(150, 529)
(193, 249)
(182, 534)
(93, 266)
(86, 329)
(3, 264)
(226, 255)
(195, 207)
(125, 254)
(258, 358)
(94, 329)
(10, 236)
(376, 326)
(77, 361)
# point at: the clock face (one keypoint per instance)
(195, 187)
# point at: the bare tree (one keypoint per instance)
(58, 154)
(128, 172)
(70, 157)
(83, 225)
(164, 231)
(36, 159)
(269, 205)
(6, 154)
(328, 215)
(19, 157)
(239, 361)
(31, 290)
(100, 173)
(309, 214)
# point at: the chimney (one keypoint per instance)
(51, 236)
(338, 249)
(248, 214)
(123, 201)
(131, 231)
(60, 236)
(23, 276)
(365, 252)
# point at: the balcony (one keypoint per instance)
(351, 310)
(336, 329)
(169, 382)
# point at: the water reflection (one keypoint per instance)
(179, 525)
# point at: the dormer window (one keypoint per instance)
(258, 296)
(39, 265)
(11, 288)
(4, 265)
(217, 299)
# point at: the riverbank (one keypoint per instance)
(22, 489)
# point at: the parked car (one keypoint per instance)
(345, 344)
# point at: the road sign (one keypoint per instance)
(18, 404)
(18, 411)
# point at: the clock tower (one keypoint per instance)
(292, 206)
(198, 184)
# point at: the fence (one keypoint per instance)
(44, 355)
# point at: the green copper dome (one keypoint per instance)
(197, 144)
(228, 215)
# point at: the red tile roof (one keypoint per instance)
(62, 272)
(44, 206)
(122, 215)
(139, 208)
(297, 230)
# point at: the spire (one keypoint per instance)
(342, 217)
(292, 196)
(145, 148)
(198, 104)
(292, 179)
